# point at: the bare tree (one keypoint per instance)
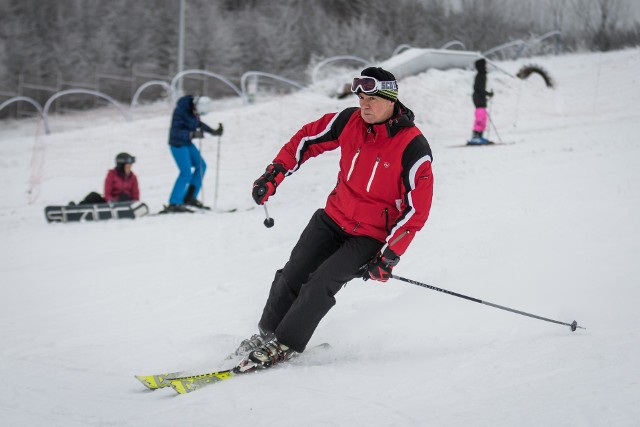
(45, 41)
(608, 13)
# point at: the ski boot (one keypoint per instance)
(175, 209)
(189, 200)
(196, 204)
(478, 139)
(248, 345)
(265, 356)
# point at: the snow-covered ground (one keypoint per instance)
(549, 225)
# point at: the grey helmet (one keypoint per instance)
(124, 158)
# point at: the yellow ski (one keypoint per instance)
(192, 383)
(186, 382)
(154, 382)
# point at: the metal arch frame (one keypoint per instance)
(223, 79)
(523, 46)
(57, 95)
(503, 46)
(326, 61)
(453, 43)
(136, 95)
(538, 40)
(246, 75)
(25, 99)
(401, 48)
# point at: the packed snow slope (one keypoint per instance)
(548, 225)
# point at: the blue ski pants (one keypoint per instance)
(192, 168)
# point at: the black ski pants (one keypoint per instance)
(324, 259)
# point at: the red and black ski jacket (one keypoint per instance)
(385, 183)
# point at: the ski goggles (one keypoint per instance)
(372, 86)
(126, 160)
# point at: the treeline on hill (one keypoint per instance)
(73, 41)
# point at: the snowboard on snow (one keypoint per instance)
(96, 212)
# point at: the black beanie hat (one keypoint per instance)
(481, 64)
(382, 75)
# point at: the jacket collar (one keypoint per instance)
(402, 117)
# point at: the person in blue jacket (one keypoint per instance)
(186, 125)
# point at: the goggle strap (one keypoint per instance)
(390, 86)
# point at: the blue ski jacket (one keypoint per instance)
(184, 122)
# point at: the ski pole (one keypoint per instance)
(268, 222)
(489, 115)
(573, 325)
(495, 128)
(200, 171)
(215, 195)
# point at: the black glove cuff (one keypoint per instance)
(272, 172)
(390, 257)
(278, 168)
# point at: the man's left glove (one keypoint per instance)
(217, 132)
(379, 268)
(265, 186)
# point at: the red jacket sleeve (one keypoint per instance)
(417, 205)
(313, 139)
(109, 185)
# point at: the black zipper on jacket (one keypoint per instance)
(386, 219)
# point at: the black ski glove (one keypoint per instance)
(379, 268)
(265, 186)
(217, 132)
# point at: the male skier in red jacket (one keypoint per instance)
(381, 200)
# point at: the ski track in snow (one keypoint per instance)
(548, 225)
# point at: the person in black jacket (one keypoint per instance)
(480, 96)
(186, 125)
